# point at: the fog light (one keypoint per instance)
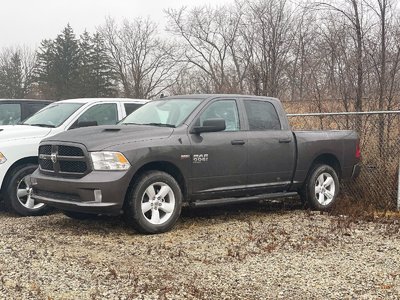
(98, 196)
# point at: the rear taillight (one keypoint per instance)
(358, 151)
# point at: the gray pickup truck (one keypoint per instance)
(197, 149)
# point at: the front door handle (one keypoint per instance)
(285, 140)
(237, 142)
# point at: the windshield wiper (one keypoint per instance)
(160, 124)
(42, 125)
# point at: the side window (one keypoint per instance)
(10, 114)
(102, 114)
(224, 109)
(131, 107)
(262, 115)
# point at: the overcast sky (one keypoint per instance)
(27, 22)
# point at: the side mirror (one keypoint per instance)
(210, 125)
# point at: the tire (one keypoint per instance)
(154, 203)
(17, 197)
(79, 216)
(321, 189)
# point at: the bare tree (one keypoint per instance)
(273, 26)
(211, 40)
(145, 64)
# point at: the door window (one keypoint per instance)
(102, 114)
(262, 115)
(223, 109)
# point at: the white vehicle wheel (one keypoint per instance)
(18, 197)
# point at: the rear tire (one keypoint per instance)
(154, 203)
(18, 193)
(321, 188)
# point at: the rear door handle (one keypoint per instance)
(237, 142)
(285, 140)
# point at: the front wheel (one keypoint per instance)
(154, 203)
(322, 188)
(18, 197)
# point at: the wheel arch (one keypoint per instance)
(164, 166)
(20, 162)
(327, 159)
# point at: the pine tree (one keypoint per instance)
(103, 77)
(96, 76)
(66, 64)
(44, 71)
(58, 65)
(12, 83)
(85, 66)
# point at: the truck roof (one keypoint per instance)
(208, 96)
(26, 100)
(91, 100)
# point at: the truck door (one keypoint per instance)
(219, 159)
(271, 150)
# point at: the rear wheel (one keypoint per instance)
(18, 197)
(154, 203)
(322, 188)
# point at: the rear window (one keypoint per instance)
(261, 115)
(131, 107)
(10, 113)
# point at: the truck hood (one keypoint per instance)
(16, 132)
(102, 137)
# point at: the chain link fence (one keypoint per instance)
(378, 183)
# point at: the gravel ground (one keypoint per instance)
(262, 251)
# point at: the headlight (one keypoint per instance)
(112, 161)
(3, 159)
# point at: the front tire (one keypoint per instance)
(18, 193)
(154, 203)
(322, 188)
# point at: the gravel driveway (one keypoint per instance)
(258, 251)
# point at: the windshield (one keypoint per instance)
(53, 115)
(169, 113)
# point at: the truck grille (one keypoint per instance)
(63, 160)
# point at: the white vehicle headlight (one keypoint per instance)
(3, 159)
(109, 161)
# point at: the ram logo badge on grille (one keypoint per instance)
(54, 157)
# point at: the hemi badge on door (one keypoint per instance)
(185, 156)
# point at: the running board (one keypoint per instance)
(201, 203)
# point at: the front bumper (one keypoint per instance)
(99, 192)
